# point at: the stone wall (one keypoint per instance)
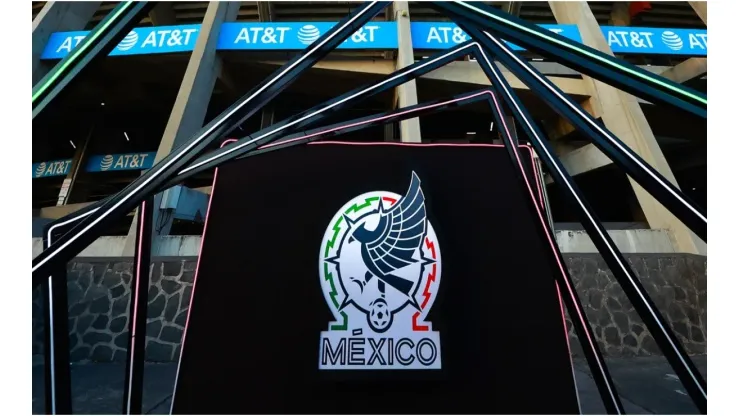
(677, 285)
(99, 303)
(100, 293)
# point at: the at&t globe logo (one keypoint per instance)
(672, 40)
(128, 42)
(308, 34)
(106, 162)
(40, 169)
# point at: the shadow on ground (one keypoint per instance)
(647, 385)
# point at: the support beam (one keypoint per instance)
(78, 161)
(56, 16)
(700, 7)
(562, 127)
(410, 129)
(462, 72)
(582, 160)
(687, 70)
(163, 14)
(265, 11)
(621, 113)
(513, 8)
(620, 15)
(189, 110)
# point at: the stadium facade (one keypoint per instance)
(187, 61)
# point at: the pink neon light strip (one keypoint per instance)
(375, 120)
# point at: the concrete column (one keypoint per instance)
(686, 70)
(389, 133)
(620, 15)
(700, 7)
(56, 16)
(189, 110)
(265, 11)
(163, 14)
(622, 115)
(406, 93)
(78, 163)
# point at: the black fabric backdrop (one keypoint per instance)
(258, 310)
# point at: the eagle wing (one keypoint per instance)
(404, 228)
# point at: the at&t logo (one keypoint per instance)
(672, 40)
(128, 42)
(308, 34)
(40, 169)
(106, 162)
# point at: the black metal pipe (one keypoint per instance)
(134, 379)
(57, 374)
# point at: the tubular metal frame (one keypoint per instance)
(623, 273)
(83, 227)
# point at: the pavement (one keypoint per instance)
(647, 385)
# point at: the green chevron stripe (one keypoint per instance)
(328, 276)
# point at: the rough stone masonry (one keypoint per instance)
(99, 293)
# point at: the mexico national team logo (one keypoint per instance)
(380, 268)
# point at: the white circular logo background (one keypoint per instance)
(343, 284)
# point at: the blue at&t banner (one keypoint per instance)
(140, 41)
(296, 36)
(123, 161)
(374, 35)
(233, 36)
(646, 40)
(443, 35)
(51, 168)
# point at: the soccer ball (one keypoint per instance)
(379, 317)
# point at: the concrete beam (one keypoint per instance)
(61, 210)
(700, 7)
(462, 72)
(265, 11)
(78, 161)
(620, 15)
(56, 16)
(163, 14)
(622, 115)
(513, 8)
(189, 110)
(406, 93)
(582, 160)
(562, 127)
(687, 70)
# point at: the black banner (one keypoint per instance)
(375, 278)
